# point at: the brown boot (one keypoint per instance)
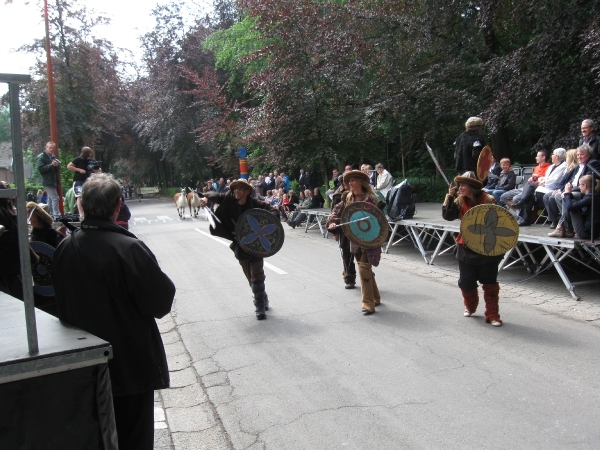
(558, 233)
(569, 233)
(470, 300)
(492, 309)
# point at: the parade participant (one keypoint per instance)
(109, 283)
(472, 266)
(360, 191)
(349, 268)
(231, 206)
(468, 145)
(41, 226)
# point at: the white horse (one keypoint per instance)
(181, 203)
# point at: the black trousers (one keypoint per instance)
(134, 416)
(470, 274)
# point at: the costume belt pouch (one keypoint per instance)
(365, 224)
(489, 230)
(42, 271)
(259, 233)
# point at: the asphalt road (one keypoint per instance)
(317, 374)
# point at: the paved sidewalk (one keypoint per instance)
(184, 418)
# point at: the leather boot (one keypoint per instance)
(559, 232)
(492, 309)
(259, 300)
(266, 299)
(471, 301)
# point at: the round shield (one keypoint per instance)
(42, 271)
(489, 230)
(259, 233)
(484, 162)
(365, 224)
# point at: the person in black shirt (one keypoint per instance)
(83, 169)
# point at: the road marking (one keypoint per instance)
(164, 218)
(140, 219)
(275, 269)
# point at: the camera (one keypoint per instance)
(93, 165)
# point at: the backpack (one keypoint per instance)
(401, 202)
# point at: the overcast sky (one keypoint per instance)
(22, 23)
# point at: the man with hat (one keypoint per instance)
(472, 266)
(468, 146)
(231, 206)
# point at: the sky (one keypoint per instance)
(22, 22)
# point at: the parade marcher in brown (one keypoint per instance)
(360, 191)
(472, 266)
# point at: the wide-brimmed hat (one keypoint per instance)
(356, 174)
(473, 122)
(469, 178)
(39, 211)
(240, 183)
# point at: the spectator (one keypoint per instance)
(308, 203)
(279, 183)
(286, 181)
(520, 198)
(31, 196)
(492, 178)
(10, 262)
(303, 181)
(334, 184)
(40, 192)
(372, 174)
(468, 146)
(318, 199)
(41, 226)
(83, 169)
(384, 180)
(125, 293)
(48, 167)
(44, 198)
(580, 212)
(506, 181)
(70, 204)
(124, 215)
(589, 137)
(270, 181)
(548, 198)
(584, 158)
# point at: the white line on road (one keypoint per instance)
(225, 242)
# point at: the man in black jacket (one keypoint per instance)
(231, 206)
(107, 282)
(469, 145)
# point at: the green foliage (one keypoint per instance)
(4, 123)
(231, 47)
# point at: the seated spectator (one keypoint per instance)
(523, 198)
(298, 217)
(492, 178)
(294, 201)
(318, 198)
(269, 197)
(41, 224)
(548, 197)
(584, 158)
(506, 181)
(44, 198)
(31, 196)
(580, 211)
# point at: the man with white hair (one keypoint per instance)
(384, 180)
(589, 137)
